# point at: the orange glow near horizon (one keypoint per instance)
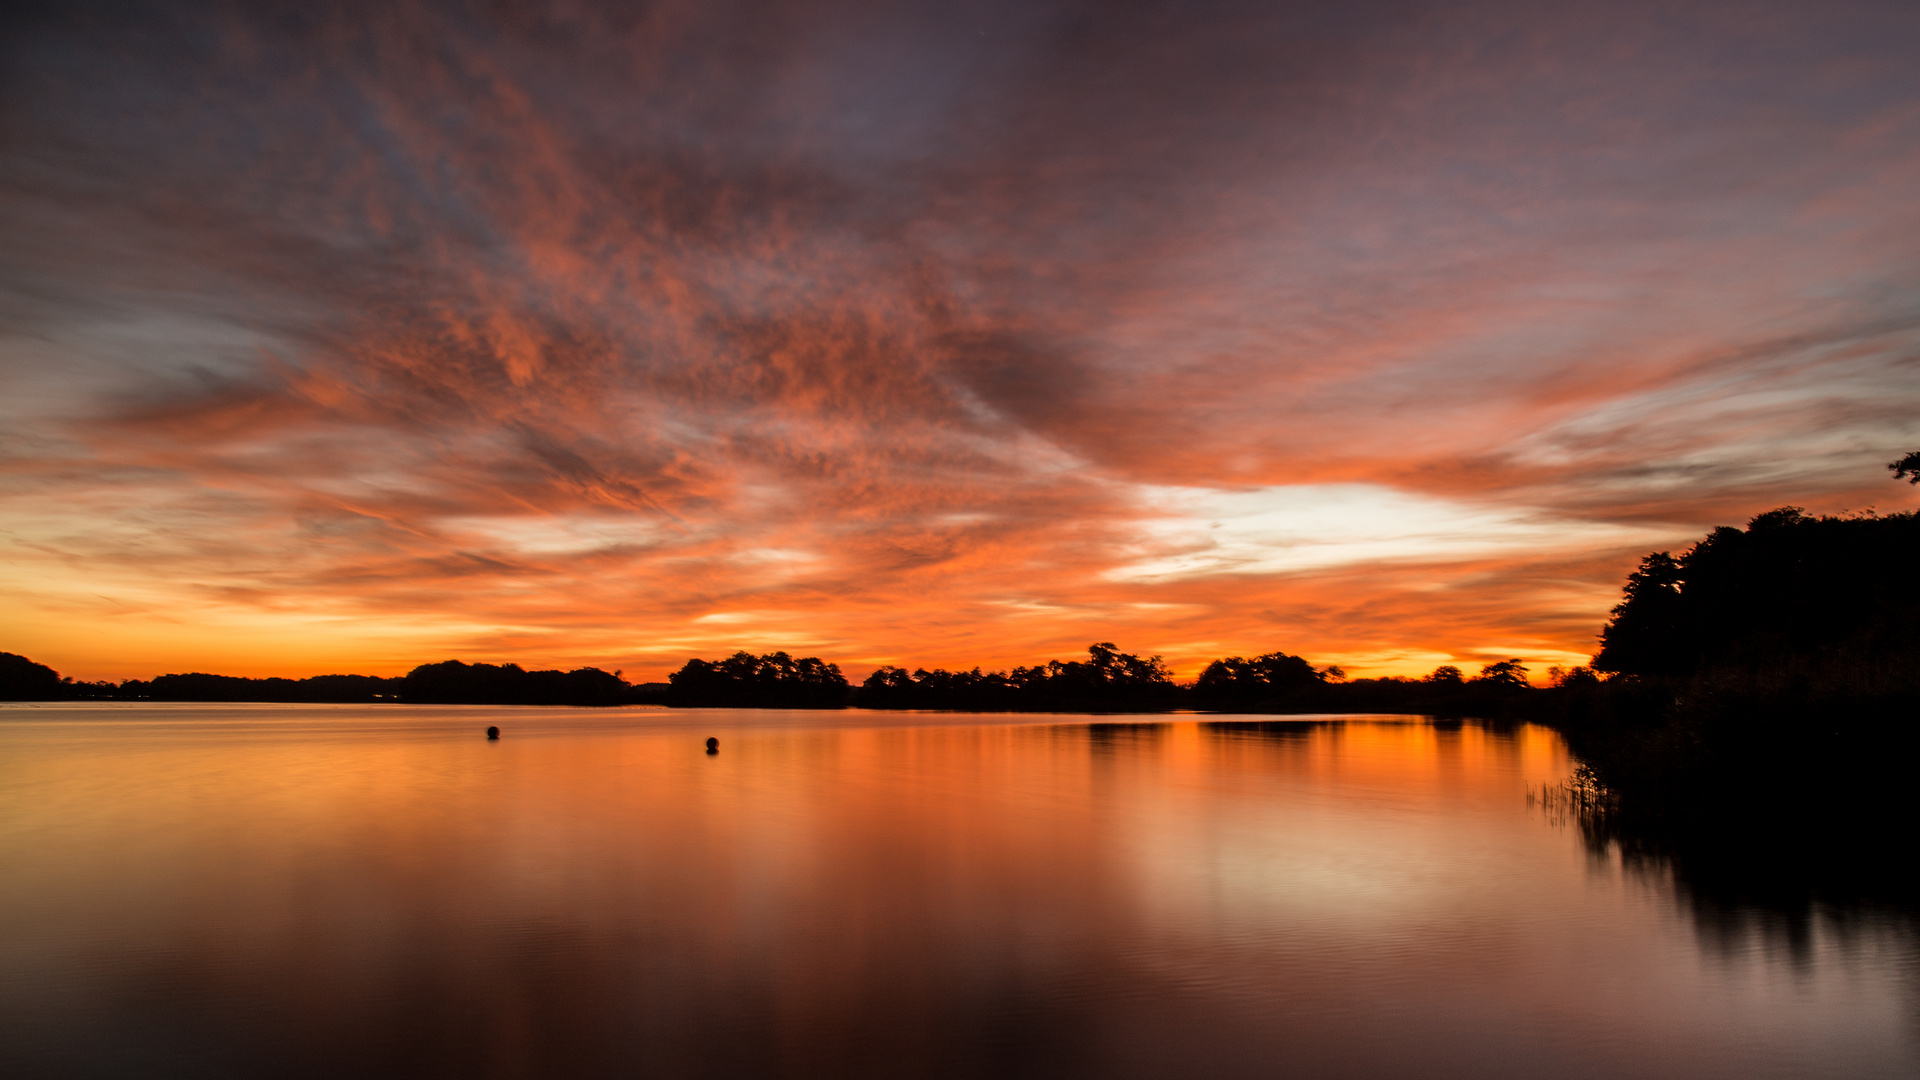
(617, 338)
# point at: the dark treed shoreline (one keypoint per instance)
(1108, 681)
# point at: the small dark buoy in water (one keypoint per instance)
(493, 733)
(713, 746)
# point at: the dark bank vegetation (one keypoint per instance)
(23, 680)
(1795, 640)
(447, 683)
(1757, 718)
(1112, 681)
(746, 681)
(451, 682)
(1107, 681)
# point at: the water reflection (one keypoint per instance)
(326, 892)
(1769, 874)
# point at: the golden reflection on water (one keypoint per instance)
(383, 891)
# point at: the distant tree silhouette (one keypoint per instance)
(1281, 683)
(1107, 681)
(1240, 684)
(199, 686)
(1577, 676)
(744, 680)
(974, 691)
(451, 682)
(1504, 673)
(347, 689)
(23, 680)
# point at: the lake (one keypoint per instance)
(354, 891)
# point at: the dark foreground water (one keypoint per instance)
(350, 891)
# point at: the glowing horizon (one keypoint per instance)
(358, 339)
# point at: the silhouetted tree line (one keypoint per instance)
(447, 683)
(1276, 682)
(746, 681)
(197, 686)
(1280, 683)
(451, 682)
(23, 680)
(1794, 622)
(1757, 719)
(1790, 598)
(1107, 681)
(1792, 615)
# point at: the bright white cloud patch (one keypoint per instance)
(1313, 526)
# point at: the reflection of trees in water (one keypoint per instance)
(1107, 738)
(1754, 868)
(1280, 731)
(1752, 751)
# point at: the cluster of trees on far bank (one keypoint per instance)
(746, 681)
(1113, 681)
(1108, 680)
(447, 683)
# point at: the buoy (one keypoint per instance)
(713, 746)
(493, 733)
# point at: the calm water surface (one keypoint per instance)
(334, 891)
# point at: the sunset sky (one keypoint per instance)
(346, 337)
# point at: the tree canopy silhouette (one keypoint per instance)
(975, 691)
(1768, 678)
(1107, 681)
(23, 680)
(199, 686)
(1507, 673)
(743, 680)
(451, 682)
(1239, 684)
(1789, 591)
